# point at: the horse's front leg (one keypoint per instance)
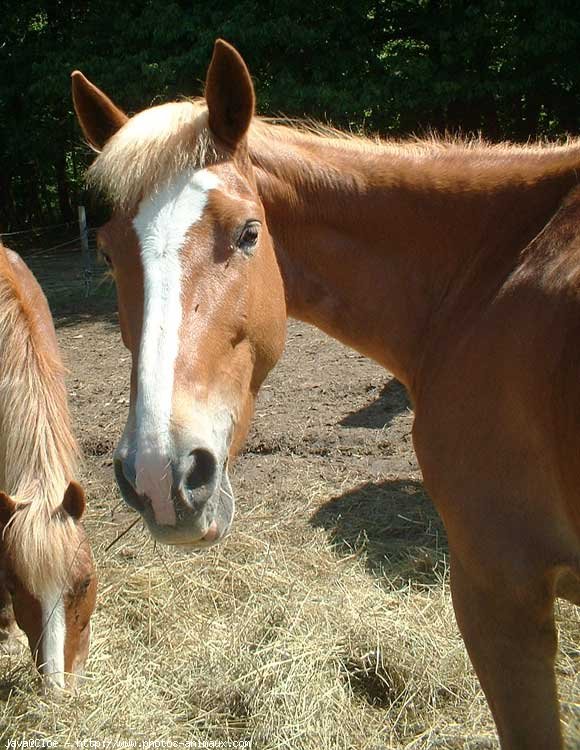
(511, 638)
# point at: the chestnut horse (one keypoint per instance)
(47, 576)
(455, 265)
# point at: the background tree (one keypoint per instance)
(507, 68)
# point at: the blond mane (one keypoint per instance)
(160, 142)
(38, 453)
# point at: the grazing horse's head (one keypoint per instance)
(201, 301)
(48, 569)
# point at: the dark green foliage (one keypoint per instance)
(508, 68)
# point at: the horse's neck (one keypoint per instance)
(376, 247)
(36, 451)
(37, 448)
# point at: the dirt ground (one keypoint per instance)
(328, 468)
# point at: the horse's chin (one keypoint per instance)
(211, 527)
(213, 536)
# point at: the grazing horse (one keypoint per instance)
(456, 265)
(47, 575)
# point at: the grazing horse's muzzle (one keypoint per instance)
(199, 503)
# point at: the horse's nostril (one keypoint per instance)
(125, 469)
(125, 476)
(202, 470)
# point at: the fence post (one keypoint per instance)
(87, 265)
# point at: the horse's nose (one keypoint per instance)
(185, 498)
(194, 480)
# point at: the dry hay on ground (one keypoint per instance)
(271, 641)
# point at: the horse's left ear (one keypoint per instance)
(74, 501)
(98, 117)
(7, 509)
(229, 94)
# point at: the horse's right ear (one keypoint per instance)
(7, 509)
(98, 117)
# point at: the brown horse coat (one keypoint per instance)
(454, 264)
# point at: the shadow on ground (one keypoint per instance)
(394, 525)
(74, 296)
(67, 314)
(392, 400)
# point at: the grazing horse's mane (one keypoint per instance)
(38, 453)
(162, 141)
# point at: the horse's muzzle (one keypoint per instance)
(201, 500)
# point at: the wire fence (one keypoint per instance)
(75, 242)
(38, 230)
(54, 253)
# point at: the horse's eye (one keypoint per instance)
(248, 238)
(107, 259)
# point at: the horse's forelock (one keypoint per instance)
(150, 149)
(44, 546)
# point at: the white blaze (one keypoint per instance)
(162, 223)
(53, 637)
